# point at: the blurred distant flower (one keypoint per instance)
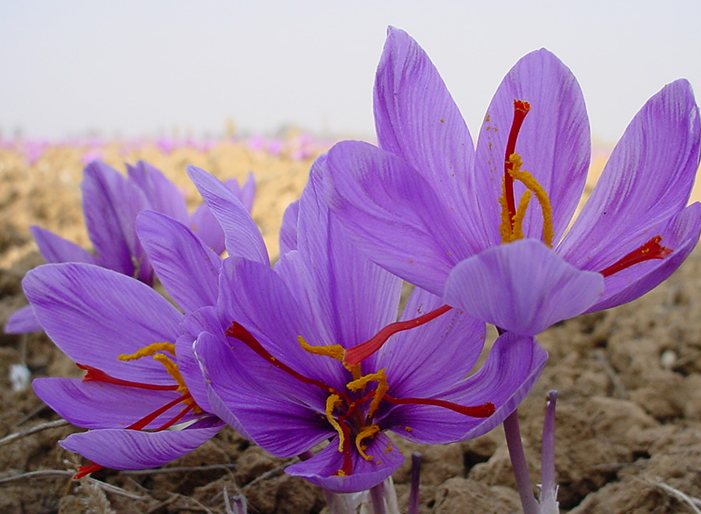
(457, 221)
(272, 352)
(111, 203)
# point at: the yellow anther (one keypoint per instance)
(365, 433)
(170, 366)
(148, 350)
(520, 214)
(382, 388)
(512, 229)
(331, 403)
(335, 351)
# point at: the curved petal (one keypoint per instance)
(521, 287)
(274, 409)
(647, 179)
(110, 205)
(56, 249)
(94, 315)
(245, 193)
(163, 196)
(130, 449)
(680, 233)
(186, 267)
(100, 405)
(22, 321)
(554, 143)
(322, 468)
(243, 239)
(205, 225)
(356, 298)
(393, 215)
(288, 229)
(254, 296)
(425, 360)
(191, 372)
(510, 371)
(417, 120)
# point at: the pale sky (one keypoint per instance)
(144, 68)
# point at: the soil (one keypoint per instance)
(629, 382)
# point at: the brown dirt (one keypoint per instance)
(629, 381)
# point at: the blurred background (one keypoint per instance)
(176, 68)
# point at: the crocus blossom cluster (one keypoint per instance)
(488, 229)
(111, 203)
(313, 350)
(283, 332)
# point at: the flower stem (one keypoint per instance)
(415, 481)
(518, 462)
(377, 497)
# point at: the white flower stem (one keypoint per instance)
(518, 462)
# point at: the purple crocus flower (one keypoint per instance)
(272, 352)
(111, 203)
(429, 207)
(142, 380)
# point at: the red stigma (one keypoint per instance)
(362, 351)
(650, 250)
(521, 108)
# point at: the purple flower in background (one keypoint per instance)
(429, 207)
(272, 352)
(143, 397)
(111, 203)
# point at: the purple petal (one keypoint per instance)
(272, 407)
(246, 193)
(680, 233)
(425, 360)
(322, 468)
(131, 449)
(417, 120)
(56, 249)
(94, 315)
(191, 372)
(207, 228)
(288, 229)
(243, 239)
(110, 204)
(521, 287)
(254, 296)
(356, 298)
(186, 267)
(647, 179)
(163, 196)
(101, 405)
(22, 321)
(554, 143)
(510, 371)
(393, 214)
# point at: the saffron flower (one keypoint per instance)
(143, 395)
(273, 348)
(111, 203)
(490, 229)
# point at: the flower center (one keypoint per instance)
(152, 350)
(351, 411)
(511, 227)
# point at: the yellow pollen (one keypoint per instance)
(170, 366)
(512, 229)
(149, 350)
(340, 473)
(382, 388)
(365, 433)
(331, 403)
(335, 351)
